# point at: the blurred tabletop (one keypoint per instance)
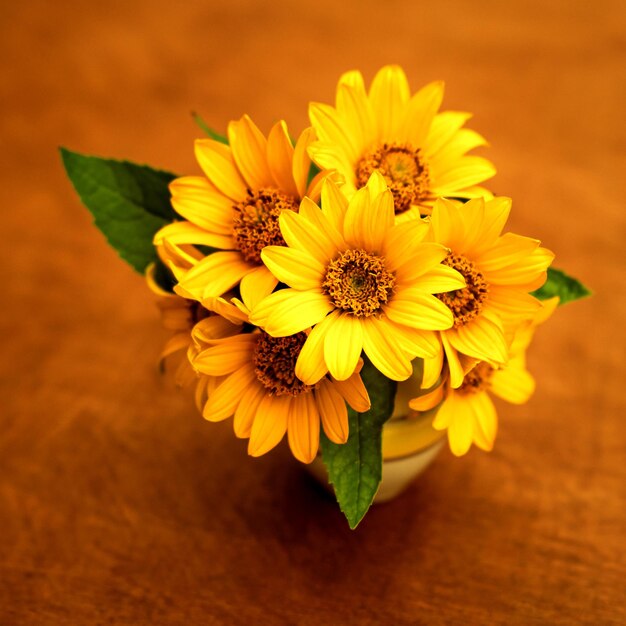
(119, 504)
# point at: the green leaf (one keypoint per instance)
(355, 467)
(560, 284)
(129, 202)
(207, 130)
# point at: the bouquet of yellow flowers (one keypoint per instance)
(319, 286)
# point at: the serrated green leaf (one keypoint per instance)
(129, 202)
(355, 467)
(207, 130)
(560, 284)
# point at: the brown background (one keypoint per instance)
(120, 505)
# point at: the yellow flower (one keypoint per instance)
(251, 378)
(234, 208)
(178, 316)
(468, 412)
(499, 270)
(420, 152)
(362, 282)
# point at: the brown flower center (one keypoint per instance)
(465, 303)
(275, 361)
(476, 379)
(358, 282)
(255, 222)
(404, 169)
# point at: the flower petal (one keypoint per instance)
(301, 163)
(343, 345)
(256, 285)
(216, 161)
(226, 357)
(481, 338)
(303, 427)
(247, 409)
(198, 201)
(333, 412)
(179, 233)
(384, 351)
(421, 111)
(293, 267)
(280, 158)
(270, 424)
(249, 149)
(419, 310)
(311, 366)
(389, 95)
(354, 392)
(300, 233)
(288, 311)
(367, 221)
(215, 274)
(223, 402)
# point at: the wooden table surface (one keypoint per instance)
(120, 505)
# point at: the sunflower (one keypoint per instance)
(468, 412)
(234, 208)
(362, 282)
(251, 377)
(420, 152)
(499, 270)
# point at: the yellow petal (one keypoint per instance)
(481, 338)
(302, 234)
(485, 421)
(226, 357)
(432, 368)
(256, 285)
(419, 310)
(280, 158)
(389, 95)
(311, 366)
(443, 128)
(354, 392)
(310, 211)
(464, 141)
(403, 240)
(356, 112)
(334, 204)
(288, 311)
(513, 384)
(439, 279)
(465, 172)
(270, 424)
(249, 150)
(187, 233)
(303, 427)
(224, 400)
(508, 250)
(247, 409)
(215, 274)
(198, 201)
(421, 111)
(214, 327)
(367, 223)
(428, 401)
(333, 412)
(384, 351)
(216, 161)
(425, 257)
(461, 430)
(457, 374)
(330, 129)
(293, 267)
(301, 160)
(343, 345)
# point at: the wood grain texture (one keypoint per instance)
(120, 505)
